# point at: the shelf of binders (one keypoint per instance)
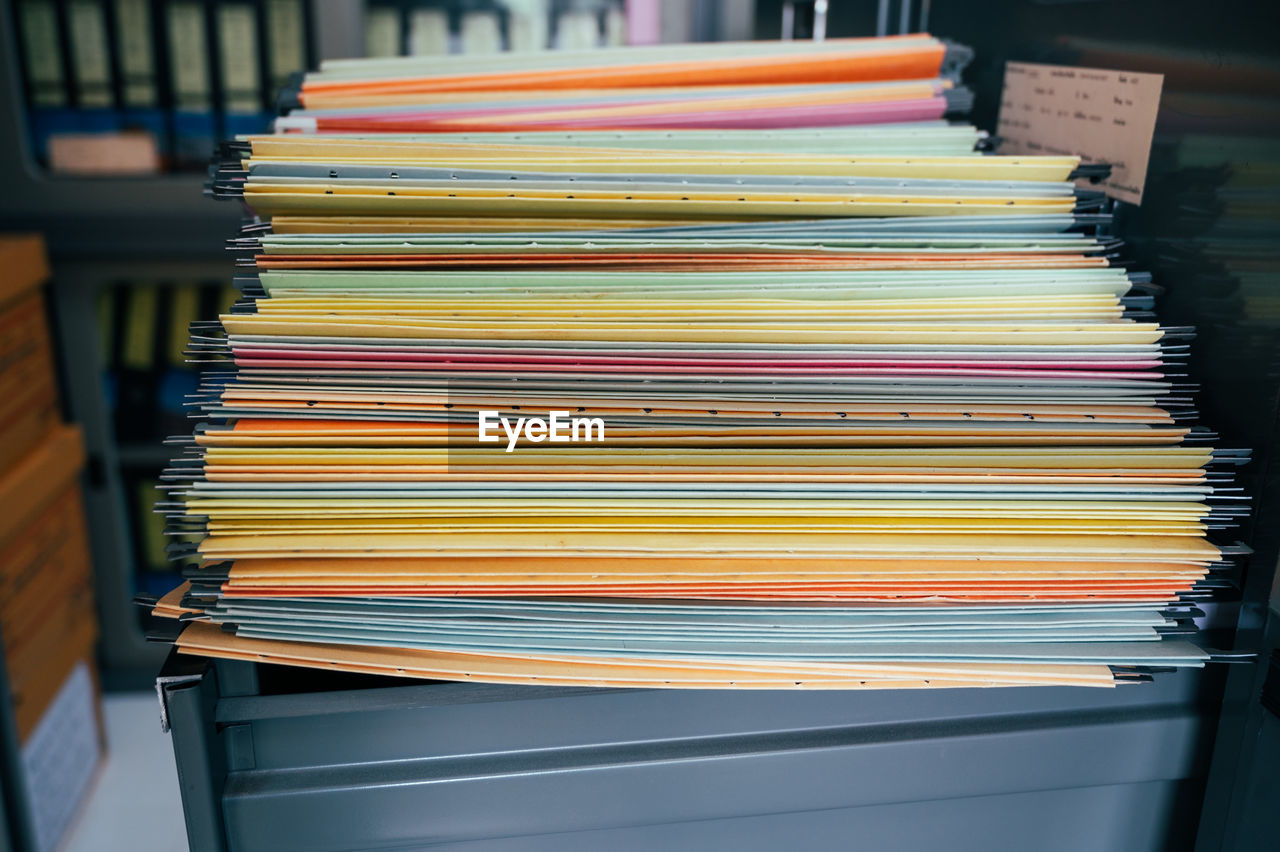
(440, 27)
(122, 324)
(146, 383)
(147, 86)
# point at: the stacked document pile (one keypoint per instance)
(621, 368)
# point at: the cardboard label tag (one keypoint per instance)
(1101, 116)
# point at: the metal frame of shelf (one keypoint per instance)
(77, 285)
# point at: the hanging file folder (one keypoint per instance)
(731, 366)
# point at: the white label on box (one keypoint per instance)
(1101, 116)
(59, 758)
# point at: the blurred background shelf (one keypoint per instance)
(142, 249)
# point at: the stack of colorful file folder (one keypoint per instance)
(620, 368)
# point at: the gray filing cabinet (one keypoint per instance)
(367, 765)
